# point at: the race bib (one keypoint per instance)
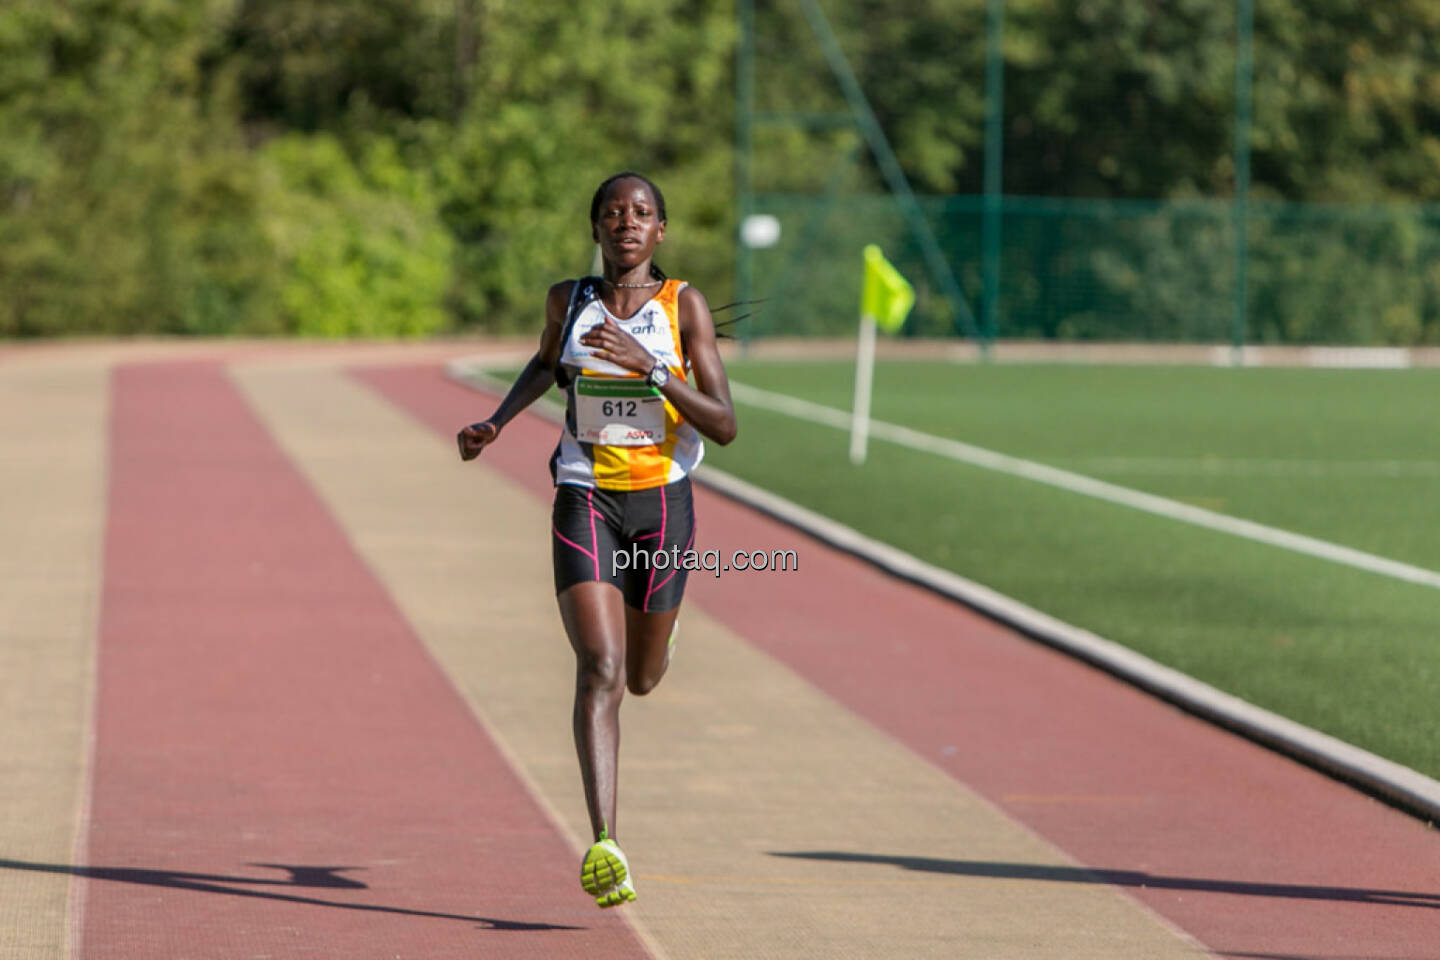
(618, 413)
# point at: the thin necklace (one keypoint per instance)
(632, 286)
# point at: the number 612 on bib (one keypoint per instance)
(618, 413)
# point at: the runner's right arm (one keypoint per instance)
(530, 385)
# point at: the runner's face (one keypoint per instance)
(629, 226)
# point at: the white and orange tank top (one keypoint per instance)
(619, 432)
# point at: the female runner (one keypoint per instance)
(622, 347)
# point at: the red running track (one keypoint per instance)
(280, 768)
(1252, 854)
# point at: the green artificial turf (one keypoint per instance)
(1347, 456)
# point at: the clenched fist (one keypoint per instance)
(476, 437)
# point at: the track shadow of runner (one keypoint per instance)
(299, 876)
(1128, 878)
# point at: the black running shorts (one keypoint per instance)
(637, 540)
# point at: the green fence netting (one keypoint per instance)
(1117, 270)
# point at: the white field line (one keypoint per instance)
(1261, 467)
(1087, 486)
(1399, 784)
(1407, 788)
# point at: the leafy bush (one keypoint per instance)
(360, 247)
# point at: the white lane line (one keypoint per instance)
(1087, 486)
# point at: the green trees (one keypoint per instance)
(360, 245)
(561, 97)
(140, 189)
(406, 166)
(1119, 165)
(125, 199)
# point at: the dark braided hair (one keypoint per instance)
(655, 272)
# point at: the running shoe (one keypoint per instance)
(605, 874)
(622, 892)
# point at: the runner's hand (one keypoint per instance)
(475, 438)
(611, 343)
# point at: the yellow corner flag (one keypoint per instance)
(885, 302)
(887, 296)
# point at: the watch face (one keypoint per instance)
(659, 375)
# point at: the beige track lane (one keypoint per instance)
(53, 434)
(732, 759)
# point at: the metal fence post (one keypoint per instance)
(744, 114)
(994, 163)
(1244, 79)
(940, 268)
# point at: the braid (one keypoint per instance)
(720, 325)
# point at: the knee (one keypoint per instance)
(642, 684)
(603, 673)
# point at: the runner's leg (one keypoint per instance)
(664, 524)
(647, 647)
(594, 619)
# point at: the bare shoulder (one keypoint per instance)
(694, 307)
(557, 301)
(691, 297)
(560, 292)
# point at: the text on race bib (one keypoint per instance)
(618, 413)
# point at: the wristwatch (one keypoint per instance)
(658, 376)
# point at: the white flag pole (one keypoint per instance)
(864, 373)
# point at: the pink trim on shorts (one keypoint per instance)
(590, 502)
(645, 607)
(670, 576)
(572, 543)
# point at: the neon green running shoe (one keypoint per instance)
(622, 892)
(605, 874)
